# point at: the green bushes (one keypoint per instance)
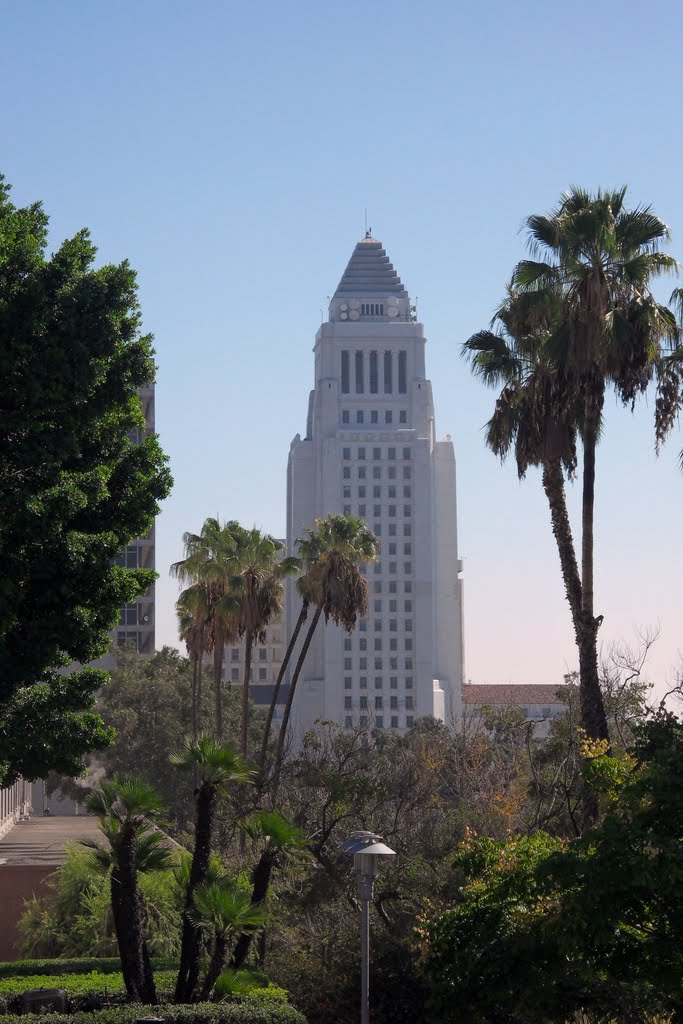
(237, 986)
(202, 1013)
(84, 991)
(75, 920)
(75, 965)
(96, 982)
(89, 990)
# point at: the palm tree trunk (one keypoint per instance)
(260, 885)
(279, 753)
(195, 663)
(593, 717)
(215, 967)
(553, 485)
(200, 668)
(129, 926)
(129, 966)
(218, 650)
(188, 972)
(303, 614)
(248, 647)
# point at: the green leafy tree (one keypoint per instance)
(74, 489)
(217, 767)
(126, 809)
(147, 701)
(546, 929)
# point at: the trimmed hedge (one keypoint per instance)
(94, 983)
(81, 965)
(198, 1013)
(84, 991)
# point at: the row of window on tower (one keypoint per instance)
(361, 454)
(374, 416)
(377, 722)
(366, 366)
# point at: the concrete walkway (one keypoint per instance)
(42, 841)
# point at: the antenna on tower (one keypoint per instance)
(366, 221)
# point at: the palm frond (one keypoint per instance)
(216, 762)
(278, 833)
(224, 906)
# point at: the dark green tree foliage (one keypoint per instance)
(74, 487)
(545, 930)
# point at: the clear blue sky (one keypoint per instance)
(229, 150)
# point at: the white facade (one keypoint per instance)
(371, 451)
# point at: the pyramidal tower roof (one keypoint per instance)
(370, 271)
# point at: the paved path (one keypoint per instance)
(40, 840)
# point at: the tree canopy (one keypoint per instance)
(75, 484)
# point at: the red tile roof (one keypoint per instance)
(511, 693)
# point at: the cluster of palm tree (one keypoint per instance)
(577, 320)
(218, 907)
(234, 591)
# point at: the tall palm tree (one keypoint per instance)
(126, 808)
(192, 608)
(600, 258)
(210, 562)
(334, 553)
(254, 598)
(218, 767)
(536, 416)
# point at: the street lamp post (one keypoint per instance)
(365, 847)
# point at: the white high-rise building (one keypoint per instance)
(371, 451)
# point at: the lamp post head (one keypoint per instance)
(366, 848)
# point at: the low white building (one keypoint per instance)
(540, 703)
(371, 450)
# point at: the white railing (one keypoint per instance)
(15, 803)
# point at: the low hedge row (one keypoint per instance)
(80, 965)
(199, 1013)
(94, 982)
(85, 991)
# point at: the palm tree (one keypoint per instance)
(126, 808)
(281, 839)
(334, 585)
(218, 767)
(224, 908)
(210, 561)
(254, 598)
(193, 624)
(536, 415)
(599, 257)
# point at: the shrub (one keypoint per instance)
(89, 991)
(237, 986)
(197, 1013)
(74, 918)
(74, 965)
(84, 991)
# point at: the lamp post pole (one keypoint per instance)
(365, 848)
